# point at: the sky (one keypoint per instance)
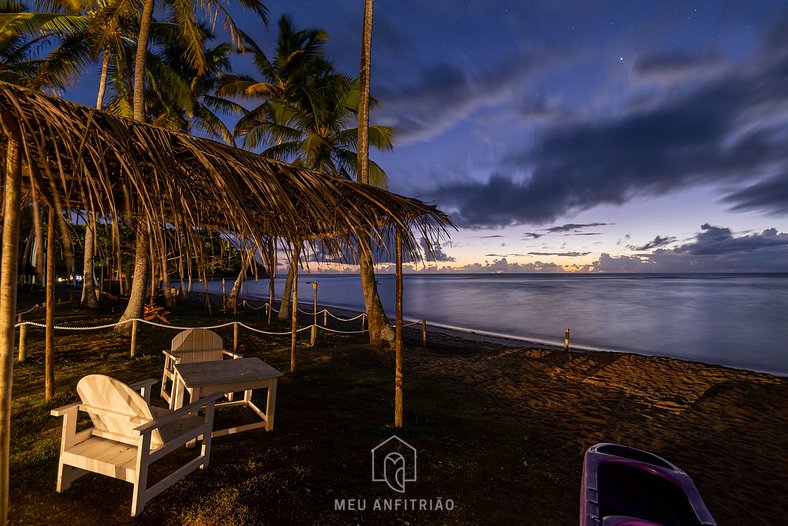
(564, 135)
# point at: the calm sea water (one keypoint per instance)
(737, 320)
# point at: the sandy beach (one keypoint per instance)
(501, 429)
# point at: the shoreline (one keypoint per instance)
(508, 340)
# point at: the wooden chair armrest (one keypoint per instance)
(168, 353)
(205, 401)
(233, 355)
(144, 387)
(144, 383)
(62, 411)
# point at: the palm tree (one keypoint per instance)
(183, 14)
(306, 113)
(177, 96)
(379, 328)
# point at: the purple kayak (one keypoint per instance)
(624, 486)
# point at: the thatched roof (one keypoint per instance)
(118, 167)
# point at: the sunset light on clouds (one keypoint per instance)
(655, 128)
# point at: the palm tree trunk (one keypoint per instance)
(49, 364)
(136, 305)
(89, 298)
(103, 79)
(284, 307)
(165, 278)
(363, 96)
(8, 275)
(39, 259)
(65, 235)
(139, 60)
(137, 294)
(232, 299)
(379, 328)
(26, 251)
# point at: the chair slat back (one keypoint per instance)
(197, 345)
(122, 404)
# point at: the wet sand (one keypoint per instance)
(727, 428)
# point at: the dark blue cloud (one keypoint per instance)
(715, 249)
(729, 130)
(657, 242)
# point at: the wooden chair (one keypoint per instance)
(189, 346)
(128, 435)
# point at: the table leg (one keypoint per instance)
(176, 400)
(270, 405)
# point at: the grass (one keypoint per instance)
(330, 413)
(499, 431)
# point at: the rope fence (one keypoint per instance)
(314, 327)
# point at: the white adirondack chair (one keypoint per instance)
(128, 435)
(191, 345)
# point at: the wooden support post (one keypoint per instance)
(363, 319)
(49, 362)
(294, 312)
(133, 351)
(398, 338)
(224, 294)
(235, 337)
(423, 333)
(314, 313)
(566, 339)
(325, 317)
(271, 277)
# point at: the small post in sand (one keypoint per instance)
(235, 336)
(566, 339)
(133, 352)
(22, 338)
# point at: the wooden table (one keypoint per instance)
(229, 376)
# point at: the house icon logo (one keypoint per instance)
(394, 462)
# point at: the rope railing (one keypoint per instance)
(314, 327)
(305, 312)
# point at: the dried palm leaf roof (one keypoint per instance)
(118, 167)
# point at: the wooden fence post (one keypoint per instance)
(363, 319)
(22, 339)
(314, 313)
(566, 339)
(423, 333)
(235, 336)
(325, 317)
(133, 352)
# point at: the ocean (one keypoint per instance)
(737, 320)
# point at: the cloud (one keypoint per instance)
(562, 254)
(714, 249)
(657, 242)
(434, 252)
(729, 130)
(488, 237)
(443, 95)
(675, 65)
(503, 255)
(573, 227)
(532, 235)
